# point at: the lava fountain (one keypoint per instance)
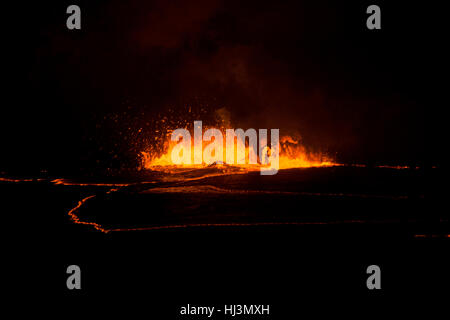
(198, 152)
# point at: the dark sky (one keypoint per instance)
(307, 67)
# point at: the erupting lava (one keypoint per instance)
(292, 154)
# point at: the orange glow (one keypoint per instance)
(292, 155)
(73, 216)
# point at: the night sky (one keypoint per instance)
(310, 68)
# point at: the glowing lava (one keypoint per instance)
(292, 154)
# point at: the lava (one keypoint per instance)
(292, 154)
(77, 220)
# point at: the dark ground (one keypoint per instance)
(295, 268)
